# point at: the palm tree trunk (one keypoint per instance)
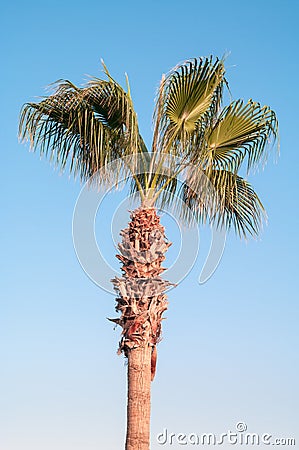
(139, 398)
(141, 301)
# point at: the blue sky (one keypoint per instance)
(229, 350)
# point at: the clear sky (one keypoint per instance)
(230, 347)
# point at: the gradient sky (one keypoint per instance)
(230, 347)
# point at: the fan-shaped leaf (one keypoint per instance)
(243, 129)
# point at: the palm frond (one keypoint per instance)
(87, 127)
(224, 199)
(188, 98)
(114, 107)
(242, 130)
(190, 91)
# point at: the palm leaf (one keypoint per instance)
(242, 130)
(87, 127)
(187, 98)
(114, 107)
(190, 91)
(225, 199)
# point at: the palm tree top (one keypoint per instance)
(196, 141)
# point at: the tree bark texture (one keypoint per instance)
(141, 302)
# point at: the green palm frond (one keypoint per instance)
(87, 127)
(54, 124)
(190, 91)
(189, 95)
(114, 107)
(226, 200)
(242, 130)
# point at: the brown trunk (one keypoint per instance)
(141, 301)
(139, 406)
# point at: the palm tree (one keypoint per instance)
(196, 143)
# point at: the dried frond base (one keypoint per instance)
(141, 296)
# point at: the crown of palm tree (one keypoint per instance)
(195, 141)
